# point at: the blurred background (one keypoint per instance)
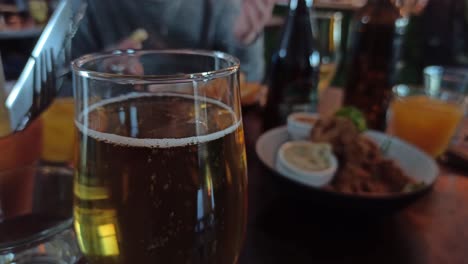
(436, 35)
(21, 23)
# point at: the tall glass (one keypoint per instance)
(438, 77)
(161, 167)
(454, 79)
(329, 28)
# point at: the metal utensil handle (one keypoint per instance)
(57, 33)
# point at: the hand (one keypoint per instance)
(124, 64)
(127, 43)
(252, 19)
(412, 6)
(134, 41)
(419, 6)
(128, 65)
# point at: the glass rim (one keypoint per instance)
(78, 66)
(409, 87)
(28, 240)
(403, 91)
(38, 238)
(453, 74)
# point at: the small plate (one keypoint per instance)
(414, 162)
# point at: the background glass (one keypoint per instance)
(426, 118)
(330, 34)
(438, 77)
(329, 29)
(453, 78)
(35, 215)
(161, 166)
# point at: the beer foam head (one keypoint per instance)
(155, 142)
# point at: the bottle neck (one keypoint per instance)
(299, 28)
(300, 5)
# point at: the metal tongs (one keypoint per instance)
(45, 70)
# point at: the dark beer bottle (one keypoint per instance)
(294, 71)
(376, 43)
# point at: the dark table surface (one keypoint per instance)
(287, 229)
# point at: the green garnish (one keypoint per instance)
(353, 114)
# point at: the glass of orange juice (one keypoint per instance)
(424, 118)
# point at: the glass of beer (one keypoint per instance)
(160, 169)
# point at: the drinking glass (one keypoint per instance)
(329, 35)
(426, 118)
(438, 77)
(455, 79)
(36, 215)
(160, 173)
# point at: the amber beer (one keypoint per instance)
(378, 30)
(160, 179)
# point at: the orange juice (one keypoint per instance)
(426, 122)
(59, 131)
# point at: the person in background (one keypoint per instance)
(445, 28)
(254, 16)
(232, 26)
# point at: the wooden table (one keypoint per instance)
(283, 230)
